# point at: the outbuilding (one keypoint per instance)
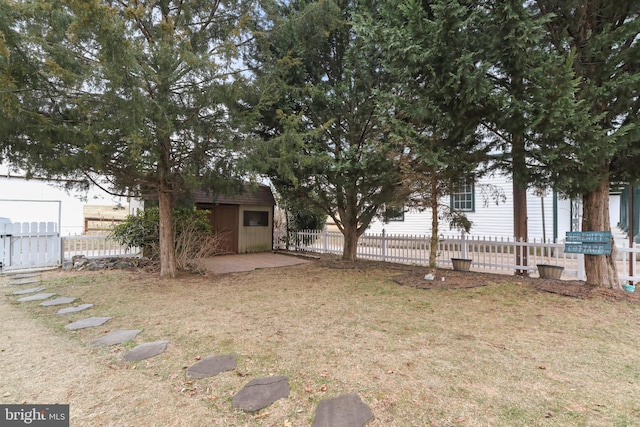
(243, 221)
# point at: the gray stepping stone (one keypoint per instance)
(35, 297)
(212, 365)
(75, 309)
(87, 323)
(145, 351)
(58, 301)
(23, 275)
(261, 392)
(24, 282)
(342, 411)
(116, 337)
(29, 291)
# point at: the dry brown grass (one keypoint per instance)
(500, 355)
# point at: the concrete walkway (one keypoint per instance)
(248, 262)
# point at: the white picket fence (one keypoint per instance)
(39, 245)
(498, 255)
(96, 246)
(29, 245)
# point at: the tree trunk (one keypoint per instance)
(167, 246)
(601, 270)
(520, 229)
(433, 244)
(350, 248)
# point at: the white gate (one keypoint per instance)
(29, 245)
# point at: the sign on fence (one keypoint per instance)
(588, 242)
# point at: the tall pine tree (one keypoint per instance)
(324, 141)
(147, 106)
(438, 98)
(532, 92)
(603, 143)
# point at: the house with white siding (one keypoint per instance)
(549, 216)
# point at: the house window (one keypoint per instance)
(256, 219)
(463, 199)
(393, 214)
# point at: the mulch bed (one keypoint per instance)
(414, 276)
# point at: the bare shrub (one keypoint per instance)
(194, 240)
(193, 246)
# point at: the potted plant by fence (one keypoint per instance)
(460, 221)
(461, 264)
(549, 271)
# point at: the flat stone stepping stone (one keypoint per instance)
(36, 297)
(347, 410)
(24, 282)
(261, 392)
(145, 351)
(87, 323)
(29, 291)
(212, 365)
(116, 337)
(23, 275)
(58, 301)
(75, 309)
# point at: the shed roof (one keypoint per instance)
(251, 195)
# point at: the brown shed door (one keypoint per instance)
(224, 221)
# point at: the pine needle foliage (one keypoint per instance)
(323, 142)
(133, 92)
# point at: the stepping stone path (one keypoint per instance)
(24, 276)
(116, 337)
(58, 301)
(212, 365)
(343, 411)
(347, 410)
(24, 282)
(36, 297)
(87, 323)
(145, 351)
(29, 291)
(261, 392)
(75, 309)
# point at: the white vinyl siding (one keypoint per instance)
(491, 217)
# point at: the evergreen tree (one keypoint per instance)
(437, 100)
(35, 69)
(11, 78)
(147, 106)
(531, 96)
(601, 143)
(323, 138)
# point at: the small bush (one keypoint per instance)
(193, 237)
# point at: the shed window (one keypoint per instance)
(256, 219)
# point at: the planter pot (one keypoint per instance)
(461, 264)
(550, 271)
(629, 288)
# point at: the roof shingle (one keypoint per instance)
(251, 195)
